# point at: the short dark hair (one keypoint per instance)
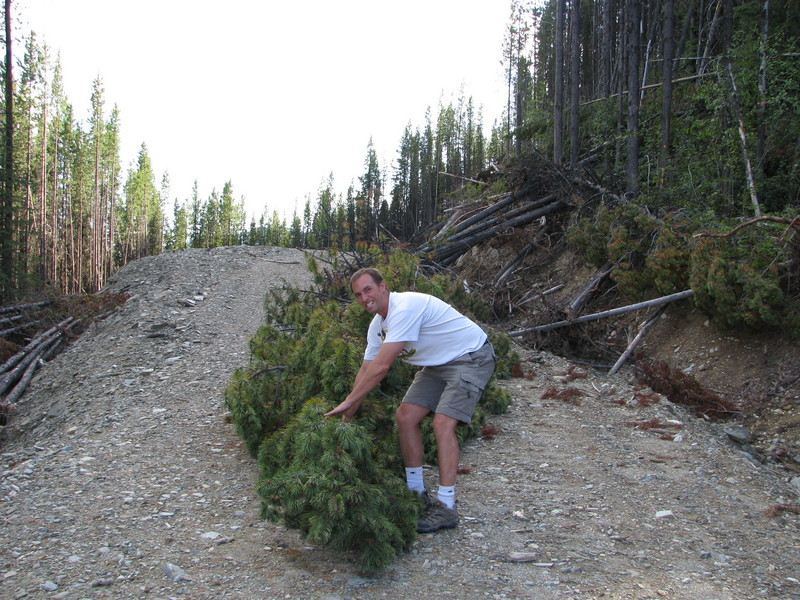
(374, 273)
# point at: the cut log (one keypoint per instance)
(21, 307)
(17, 374)
(36, 349)
(580, 300)
(532, 295)
(510, 215)
(639, 337)
(608, 313)
(37, 339)
(512, 266)
(483, 214)
(19, 389)
(20, 327)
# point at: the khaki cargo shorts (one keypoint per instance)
(454, 388)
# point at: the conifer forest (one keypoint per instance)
(674, 116)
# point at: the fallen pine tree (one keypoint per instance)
(338, 482)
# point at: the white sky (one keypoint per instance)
(272, 96)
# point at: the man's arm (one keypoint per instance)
(368, 377)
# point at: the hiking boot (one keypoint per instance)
(436, 517)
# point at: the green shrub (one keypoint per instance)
(736, 280)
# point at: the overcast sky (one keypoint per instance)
(271, 96)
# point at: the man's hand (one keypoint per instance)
(368, 376)
(347, 409)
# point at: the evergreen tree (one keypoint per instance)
(340, 483)
(294, 236)
(369, 197)
(323, 224)
(141, 215)
(180, 228)
(195, 218)
(231, 217)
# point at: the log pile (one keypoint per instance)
(34, 332)
(496, 218)
(17, 372)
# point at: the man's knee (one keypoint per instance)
(410, 415)
(443, 425)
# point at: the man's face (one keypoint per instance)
(374, 297)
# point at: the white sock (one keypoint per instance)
(447, 495)
(414, 479)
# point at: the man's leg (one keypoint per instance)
(408, 417)
(444, 428)
(442, 514)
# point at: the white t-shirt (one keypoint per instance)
(435, 333)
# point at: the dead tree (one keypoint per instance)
(583, 296)
(608, 313)
(645, 327)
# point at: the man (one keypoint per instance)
(457, 362)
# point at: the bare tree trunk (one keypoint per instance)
(607, 313)
(7, 208)
(110, 255)
(575, 78)
(762, 93)
(43, 229)
(666, 91)
(27, 222)
(94, 258)
(54, 233)
(621, 73)
(712, 33)
(644, 328)
(632, 162)
(558, 84)
(751, 185)
(605, 52)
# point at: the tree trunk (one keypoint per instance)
(762, 94)
(575, 77)
(645, 327)
(751, 185)
(606, 49)
(608, 313)
(44, 276)
(666, 91)
(712, 33)
(7, 208)
(632, 162)
(558, 84)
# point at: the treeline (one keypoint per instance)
(686, 103)
(69, 216)
(72, 215)
(678, 105)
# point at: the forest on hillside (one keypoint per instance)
(677, 116)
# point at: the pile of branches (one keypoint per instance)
(34, 332)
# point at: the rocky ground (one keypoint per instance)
(122, 478)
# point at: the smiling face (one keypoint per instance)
(374, 297)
